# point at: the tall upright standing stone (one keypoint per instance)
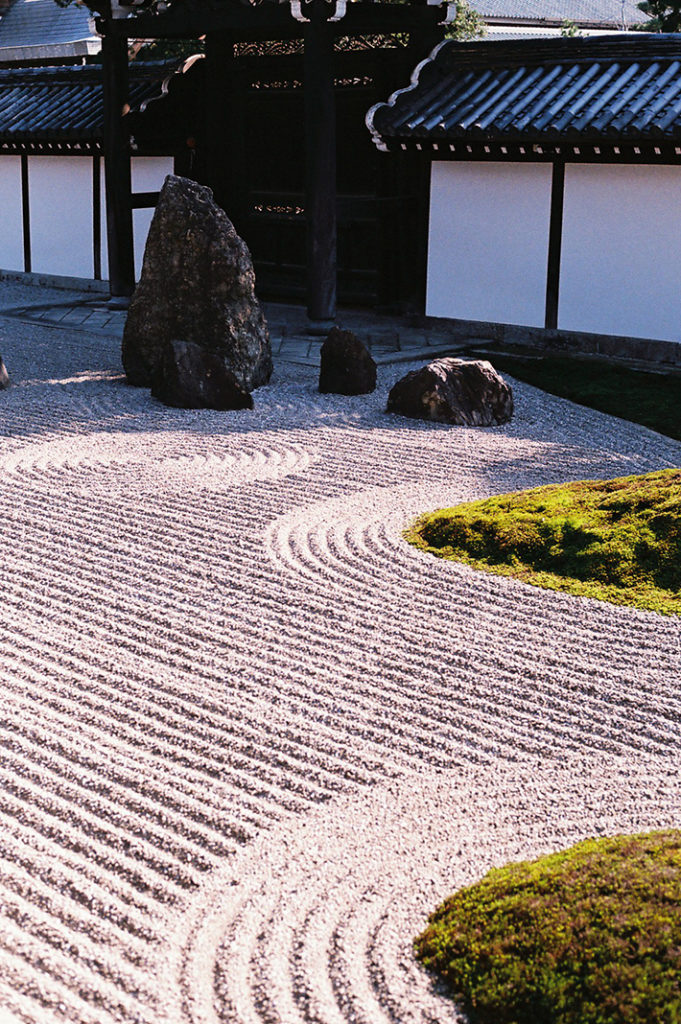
(197, 285)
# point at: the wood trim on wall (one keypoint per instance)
(555, 240)
(25, 213)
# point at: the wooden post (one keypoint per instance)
(117, 164)
(320, 145)
(224, 129)
(555, 241)
(26, 212)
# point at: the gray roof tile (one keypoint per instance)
(606, 13)
(64, 105)
(42, 23)
(627, 86)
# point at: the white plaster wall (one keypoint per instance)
(488, 241)
(621, 252)
(148, 175)
(60, 203)
(11, 229)
(104, 250)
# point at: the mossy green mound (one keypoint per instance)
(588, 936)
(616, 540)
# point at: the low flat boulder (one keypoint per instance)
(4, 376)
(190, 377)
(197, 283)
(346, 365)
(469, 393)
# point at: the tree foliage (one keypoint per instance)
(665, 15)
(467, 23)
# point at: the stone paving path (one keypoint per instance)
(390, 339)
(249, 737)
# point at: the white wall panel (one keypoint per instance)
(60, 202)
(148, 175)
(621, 253)
(488, 241)
(104, 250)
(11, 230)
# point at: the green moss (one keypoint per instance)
(591, 935)
(616, 540)
(652, 399)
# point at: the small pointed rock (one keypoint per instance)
(346, 365)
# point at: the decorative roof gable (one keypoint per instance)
(609, 89)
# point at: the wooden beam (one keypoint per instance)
(224, 132)
(189, 20)
(144, 200)
(194, 18)
(555, 241)
(320, 148)
(117, 165)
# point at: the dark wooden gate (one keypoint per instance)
(256, 167)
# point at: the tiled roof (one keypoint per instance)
(624, 87)
(41, 28)
(60, 106)
(613, 13)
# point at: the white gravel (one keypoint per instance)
(249, 736)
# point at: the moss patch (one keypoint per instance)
(591, 935)
(616, 540)
(652, 399)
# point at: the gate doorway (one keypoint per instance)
(278, 115)
(256, 167)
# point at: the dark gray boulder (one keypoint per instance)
(466, 392)
(346, 365)
(4, 376)
(197, 284)
(190, 377)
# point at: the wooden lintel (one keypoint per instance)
(583, 152)
(191, 20)
(385, 18)
(271, 21)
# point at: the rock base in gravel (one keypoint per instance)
(465, 392)
(4, 376)
(197, 284)
(346, 365)
(189, 377)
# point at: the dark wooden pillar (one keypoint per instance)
(555, 243)
(320, 145)
(422, 41)
(117, 164)
(224, 130)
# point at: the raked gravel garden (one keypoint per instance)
(251, 736)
